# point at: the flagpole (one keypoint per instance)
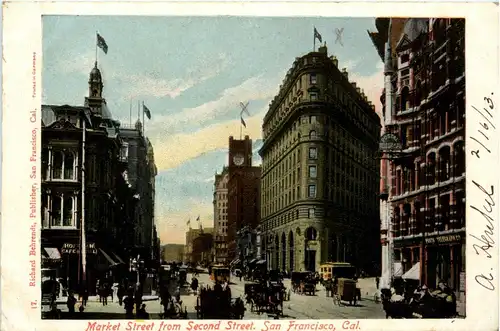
(314, 40)
(130, 112)
(96, 46)
(241, 127)
(143, 122)
(138, 110)
(83, 245)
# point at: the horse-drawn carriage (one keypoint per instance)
(217, 304)
(264, 298)
(347, 291)
(303, 282)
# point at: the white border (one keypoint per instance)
(22, 38)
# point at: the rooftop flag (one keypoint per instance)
(317, 35)
(101, 43)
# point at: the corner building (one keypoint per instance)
(220, 215)
(427, 113)
(320, 176)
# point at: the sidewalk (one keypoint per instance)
(368, 288)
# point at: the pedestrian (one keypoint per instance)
(377, 282)
(104, 294)
(120, 294)
(142, 313)
(71, 302)
(128, 304)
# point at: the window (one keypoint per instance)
(311, 212)
(313, 79)
(64, 165)
(313, 153)
(312, 134)
(312, 191)
(313, 96)
(312, 119)
(63, 211)
(312, 171)
(405, 58)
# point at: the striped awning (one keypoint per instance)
(107, 257)
(53, 253)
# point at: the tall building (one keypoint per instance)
(243, 197)
(320, 176)
(140, 173)
(424, 113)
(220, 215)
(83, 190)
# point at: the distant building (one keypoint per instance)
(220, 216)
(243, 199)
(172, 252)
(320, 176)
(190, 254)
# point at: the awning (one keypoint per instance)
(110, 260)
(118, 258)
(53, 253)
(261, 261)
(385, 281)
(235, 261)
(413, 273)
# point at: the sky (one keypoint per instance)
(192, 73)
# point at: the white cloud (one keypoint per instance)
(253, 89)
(152, 85)
(173, 150)
(372, 86)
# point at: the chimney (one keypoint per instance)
(334, 60)
(353, 84)
(344, 73)
(323, 50)
(358, 90)
(247, 137)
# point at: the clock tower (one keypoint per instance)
(240, 152)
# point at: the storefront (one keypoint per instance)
(444, 255)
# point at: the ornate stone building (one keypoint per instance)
(424, 107)
(220, 216)
(73, 138)
(320, 177)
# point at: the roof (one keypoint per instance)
(413, 27)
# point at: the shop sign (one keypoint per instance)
(462, 282)
(444, 239)
(69, 248)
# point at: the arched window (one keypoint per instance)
(431, 169)
(312, 134)
(444, 163)
(311, 233)
(459, 158)
(405, 98)
(291, 250)
(283, 252)
(418, 93)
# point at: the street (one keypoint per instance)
(299, 306)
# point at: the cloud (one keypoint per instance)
(171, 151)
(372, 85)
(81, 63)
(153, 86)
(253, 89)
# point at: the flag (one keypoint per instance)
(317, 35)
(243, 122)
(101, 43)
(188, 222)
(146, 111)
(244, 108)
(198, 219)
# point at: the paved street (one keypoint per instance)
(299, 306)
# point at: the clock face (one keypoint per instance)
(238, 159)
